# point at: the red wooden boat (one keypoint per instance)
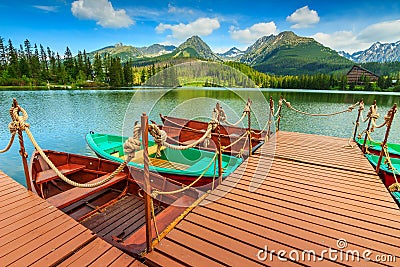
(185, 136)
(232, 131)
(115, 210)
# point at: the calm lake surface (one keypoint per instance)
(59, 120)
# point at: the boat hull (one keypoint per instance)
(182, 135)
(199, 125)
(385, 173)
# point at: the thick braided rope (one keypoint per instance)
(25, 126)
(223, 117)
(160, 137)
(235, 142)
(356, 124)
(349, 109)
(386, 119)
(373, 115)
(13, 131)
(155, 192)
(395, 186)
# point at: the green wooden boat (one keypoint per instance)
(181, 165)
(375, 147)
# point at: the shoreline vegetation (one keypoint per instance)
(31, 68)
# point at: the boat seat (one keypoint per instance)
(162, 163)
(48, 175)
(66, 198)
(139, 154)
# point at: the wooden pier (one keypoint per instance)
(34, 233)
(317, 195)
(309, 193)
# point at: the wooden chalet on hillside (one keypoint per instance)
(358, 74)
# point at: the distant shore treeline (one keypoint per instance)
(33, 66)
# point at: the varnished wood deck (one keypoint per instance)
(305, 195)
(34, 233)
(314, 193)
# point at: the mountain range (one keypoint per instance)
(378, 52)
(282, 54)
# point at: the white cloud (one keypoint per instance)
(177, 10)
(102, 12)
(385, 32)
(47, 8)
(254, 32)
(340, 40)
(181, 31)
(303, 18)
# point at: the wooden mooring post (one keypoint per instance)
(22, 151)
(383, 144)
(270, 116)
(249, 125)
(147, 186)
(360, 109)
(219, 149)
(368, 127)
(279, 113)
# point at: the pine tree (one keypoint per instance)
(3, 59)
(98, 69)
(69, 64)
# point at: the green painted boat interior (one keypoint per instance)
(392, 147)
(191, 162)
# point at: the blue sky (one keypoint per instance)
(93, 24)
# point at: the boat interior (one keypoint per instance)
(115, 210)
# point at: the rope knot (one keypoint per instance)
(160, 137)
(131, 145)
(222, 115)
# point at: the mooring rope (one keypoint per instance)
(155, 192)
(395, 186)
(349, 109)
(23, 126)
(356, 124)
(153, 215)
(386, 119)
(160, 137)
(13, 131)
(223, 117)
(223, 148)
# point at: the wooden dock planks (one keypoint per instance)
(32, 232)
(314, 193)
(307, 194)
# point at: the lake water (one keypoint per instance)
(60, 119)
